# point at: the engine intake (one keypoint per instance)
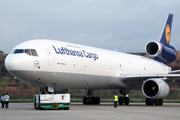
(153, 49)
(155, 88)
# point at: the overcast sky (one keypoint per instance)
(124, 25)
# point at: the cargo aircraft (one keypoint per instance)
(51, 64)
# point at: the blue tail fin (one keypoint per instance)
(166, 34)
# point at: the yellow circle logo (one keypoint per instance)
(167, 33)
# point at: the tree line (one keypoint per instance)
(1, 52)
(5, 80)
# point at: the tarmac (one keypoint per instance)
(104, 111)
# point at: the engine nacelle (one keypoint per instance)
(161, 53)
(155, 88)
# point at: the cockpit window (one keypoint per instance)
(18, 51)
(34, 53)
(27, 51)
(31, 52)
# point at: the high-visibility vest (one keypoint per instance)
(115, 98)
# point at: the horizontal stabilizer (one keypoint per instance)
(175, 72)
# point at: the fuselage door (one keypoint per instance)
(50, 57)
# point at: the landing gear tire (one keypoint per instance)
(125, 98)
(66, 108)
(88, 100)
(126, 101)
(158, 102)
(97, 100)
(93, 100)
(149, 102)
(120, 100)
(85, 100)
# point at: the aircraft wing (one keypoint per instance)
(142, 77)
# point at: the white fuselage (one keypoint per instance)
(67, 65)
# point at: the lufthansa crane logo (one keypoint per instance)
(36, 63)
(167, 33)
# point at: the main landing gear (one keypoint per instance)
(91, 100)
(125, 98)
(157, 102)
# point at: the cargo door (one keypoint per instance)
(50, 57)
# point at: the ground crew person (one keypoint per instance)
(2, 100)
(115, 100)
(6, 100)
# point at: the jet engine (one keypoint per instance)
(155, 88)
(160, 52)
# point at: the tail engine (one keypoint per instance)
(161, 53)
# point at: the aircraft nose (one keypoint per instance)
(9, 62)
(13, 62)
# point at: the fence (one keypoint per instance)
(103, 94)
(108, 94)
